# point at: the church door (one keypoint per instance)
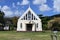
(29, 27)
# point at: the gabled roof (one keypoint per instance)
(29, 9)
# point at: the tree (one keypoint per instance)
(1, 20)
(14, 22)
(54, 23)
(44, 20)
(1, 17)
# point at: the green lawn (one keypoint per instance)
(13, 35)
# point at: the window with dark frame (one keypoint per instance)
(37, 25)
(29, 15)
(32, 16)
(21, 25)
(26, 16)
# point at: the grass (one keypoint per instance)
(13, 35)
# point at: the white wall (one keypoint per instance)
(24, 22)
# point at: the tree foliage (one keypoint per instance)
(1, 17)
(44, 20)
(14, 22)
(54, 23)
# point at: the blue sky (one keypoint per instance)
(18, 7)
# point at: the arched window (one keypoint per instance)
(26, 16)
(32, 16)
(21, 25)
(35, 18)
(37, 25)
(29, 15)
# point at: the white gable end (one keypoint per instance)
(29, 21)
(33, 13)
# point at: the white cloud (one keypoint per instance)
(25, 2)
(39, 1)
(44, 7)
(8, 14)
(5, 8)
(19, 13)
(18, 3)
(7, 11)
(13, 5)
(56, 5)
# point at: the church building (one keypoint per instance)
(29, 21)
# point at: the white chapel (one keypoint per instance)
(29, 21)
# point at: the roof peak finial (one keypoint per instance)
(29, 5)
